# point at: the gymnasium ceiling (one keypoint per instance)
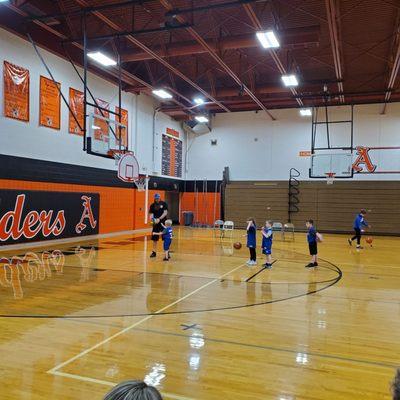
(351, 47)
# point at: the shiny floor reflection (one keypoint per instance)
(76, 319)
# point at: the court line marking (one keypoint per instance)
(128, 328)
(259, 272)
(112, 384)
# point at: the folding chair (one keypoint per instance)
(218, 225)
(278, 227)
(228, 227)
(289, 228)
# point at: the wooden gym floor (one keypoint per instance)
(77, 319)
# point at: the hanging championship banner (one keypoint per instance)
(101, 125)
(123, 121)
(76, 105)
(50, 104)
(16, 92)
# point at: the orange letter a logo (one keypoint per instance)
(364, 159)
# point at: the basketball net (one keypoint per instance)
(141, 183)
(330, 178)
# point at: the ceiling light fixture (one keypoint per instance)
(162, 94)
(102, 59)
(290, 80)
(199, 101)
(201, 118)
(268, 39)
(305, 112)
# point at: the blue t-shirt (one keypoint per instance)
(167, 234)
(267, 241)
(359, 222)
(312, 235)
(251, 236)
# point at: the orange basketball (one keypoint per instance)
(237, 245)
(369, 240)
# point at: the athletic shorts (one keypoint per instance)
(167, 244)
(156, 228)
(313, 248)
(267, 250)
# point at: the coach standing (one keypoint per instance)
(158, 214)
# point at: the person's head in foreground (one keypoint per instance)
(363, 212)
(396, 386)
(168, 222)
(133, 390)
(309, 223)
(157, 198)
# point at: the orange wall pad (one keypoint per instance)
(117, 205)
(204, 204)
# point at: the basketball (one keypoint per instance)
(369, 240)
(237, 245)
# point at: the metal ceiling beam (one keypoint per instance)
(395, 55)
(166, 4)
(179, 11)
(332, 14)
(127, 33)
(257, 25)
(87, 10)
(132, 39)
(297, 37)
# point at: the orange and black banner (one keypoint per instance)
(16, 92)
(123, 121)
(37, 215)
(76, 105)
(101, 126)
(50, 104)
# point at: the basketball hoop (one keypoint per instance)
(330, 177)
(141, 183)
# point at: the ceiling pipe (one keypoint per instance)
(332, 15)
(218, 60)
(395, 66)
(290, 38)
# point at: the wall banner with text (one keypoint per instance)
(123, 121)
(16, 92)
(76, 104)
(50, 104)
(28, 216)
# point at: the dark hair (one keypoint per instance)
(363, 211)
(133, 390)
(251, 219)
(310, 221)
(396, 386)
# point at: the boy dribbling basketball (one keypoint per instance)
(166, 235)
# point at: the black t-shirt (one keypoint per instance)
(157, 209)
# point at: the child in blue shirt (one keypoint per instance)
(266, 244)
(251, 241)
(358, 224)
(166, 236)
(312, 238)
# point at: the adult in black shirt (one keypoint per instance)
(158, 214)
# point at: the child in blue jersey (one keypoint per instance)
(312, 237)
(359, 222)
(251, 241)
(266, 244)
(166, 236)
